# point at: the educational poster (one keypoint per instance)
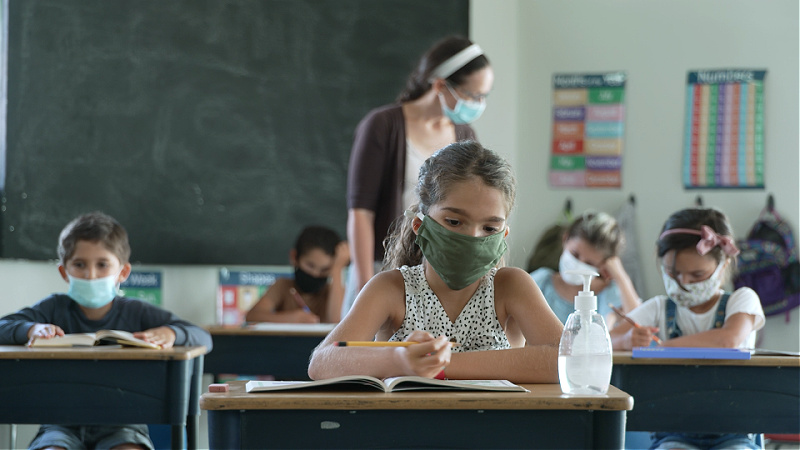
(240, 290)
(144, 286)
(588, 128)
(724, 142)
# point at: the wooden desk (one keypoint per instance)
(96, 385)
(760, 395)
(276, 349)
(542, 418)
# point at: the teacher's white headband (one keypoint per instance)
(455, 62)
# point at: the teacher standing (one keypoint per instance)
(445, 93)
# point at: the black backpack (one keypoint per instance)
(769, 265)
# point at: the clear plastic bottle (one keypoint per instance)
(584, 353)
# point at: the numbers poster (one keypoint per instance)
(724, 132)
(588, 129)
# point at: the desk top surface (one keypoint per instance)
(624, 358)
(99, 352)
(272, 329)
(541, 396)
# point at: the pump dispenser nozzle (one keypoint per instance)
(585, 298)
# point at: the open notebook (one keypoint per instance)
(394, 384)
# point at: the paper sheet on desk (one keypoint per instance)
(281, 326)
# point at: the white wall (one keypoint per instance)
(655, 43)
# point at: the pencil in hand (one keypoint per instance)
(299, 299)
(379, 343)
(631, 321)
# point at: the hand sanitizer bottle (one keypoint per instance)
(584, 354)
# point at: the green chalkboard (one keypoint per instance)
(213, 130)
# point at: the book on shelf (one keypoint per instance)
(690, 353)
(102, 337)
(393, 384)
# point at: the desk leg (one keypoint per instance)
(609, 429)
(192, 425)
(178, 436)
(224, 429)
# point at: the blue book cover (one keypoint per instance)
(690, 353)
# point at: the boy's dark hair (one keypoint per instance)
(319, 237)
(94, 227)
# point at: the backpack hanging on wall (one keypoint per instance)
(768, 263)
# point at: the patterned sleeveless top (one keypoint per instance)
(476, 328)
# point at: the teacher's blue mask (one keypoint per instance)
(465, 111)
(94, 293)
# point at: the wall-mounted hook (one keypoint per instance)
(698, 201)
(770, 203)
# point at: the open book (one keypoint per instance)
(394, 384)
(102, 337)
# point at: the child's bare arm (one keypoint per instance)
(336, 288)
(380, 305)
(733, 332)
(517, 297)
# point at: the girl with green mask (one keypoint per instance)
(442, 283)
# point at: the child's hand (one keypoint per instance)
(163, 336)
(612, 268)
(427, 358)
(641, 337)
(43, 331)
(342, 256)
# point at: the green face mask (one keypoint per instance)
(458, 259)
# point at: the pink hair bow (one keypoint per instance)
(708, 240)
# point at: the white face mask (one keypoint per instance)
(568, 261)
(694, 293)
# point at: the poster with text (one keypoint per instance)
(588, 129)
(724, 132)
(239, 290)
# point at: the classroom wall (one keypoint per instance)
(655, 43)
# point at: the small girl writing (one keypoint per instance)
(697, 255)
(441, 285)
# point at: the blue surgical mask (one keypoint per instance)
(93, 293)
(465, 111)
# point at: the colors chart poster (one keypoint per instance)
(239, 290)
(588, 130)
(724, 141)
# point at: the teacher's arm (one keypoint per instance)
(361, 235)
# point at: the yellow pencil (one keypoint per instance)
(378, 343)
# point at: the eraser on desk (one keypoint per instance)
(218, 387)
